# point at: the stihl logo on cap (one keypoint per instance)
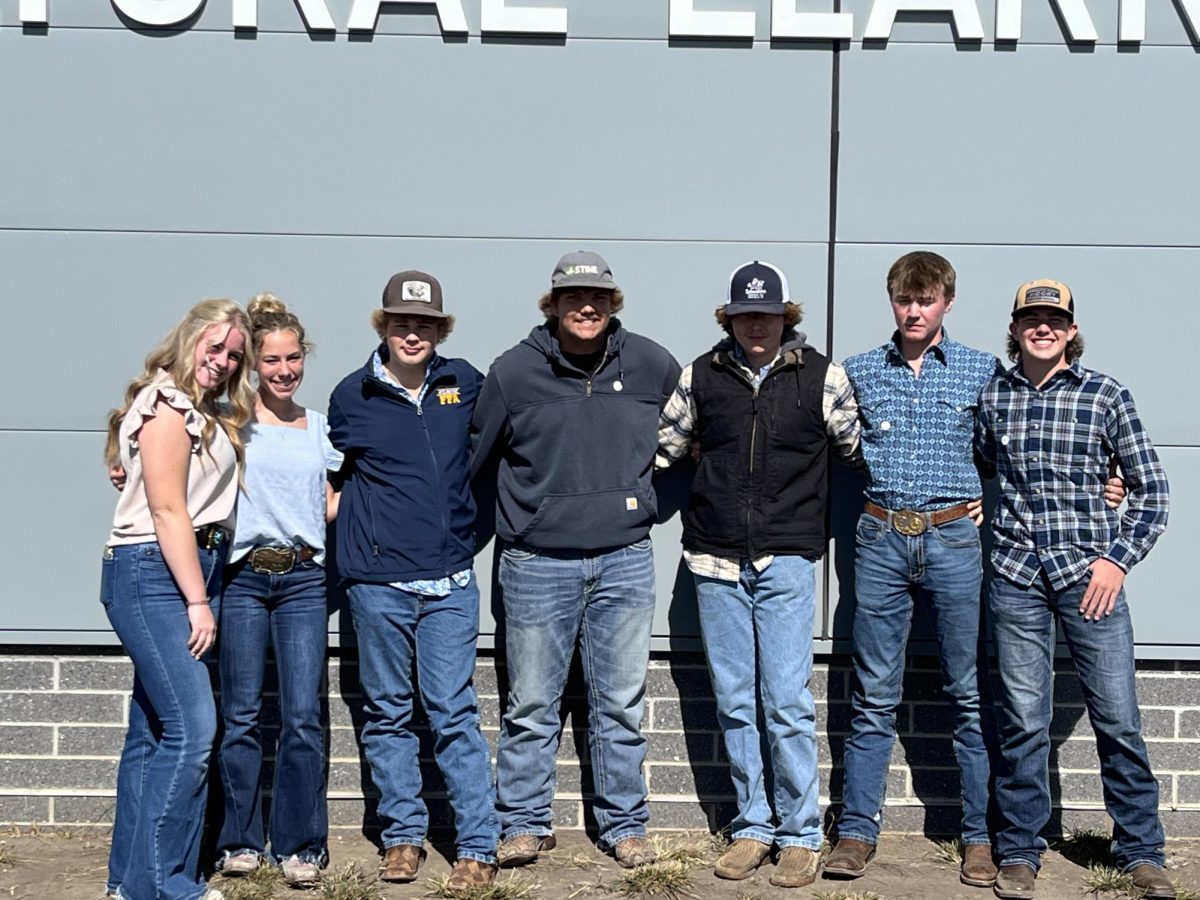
(581, 270)
(756, 289)
(1043, 295)
(415, 292)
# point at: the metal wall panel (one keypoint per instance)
(411, 136)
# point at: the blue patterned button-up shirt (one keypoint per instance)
(917, 431)
(1051, 449)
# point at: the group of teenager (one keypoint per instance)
(564, 437)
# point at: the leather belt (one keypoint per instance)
(910, 522)
(210, 537)
(268, 560)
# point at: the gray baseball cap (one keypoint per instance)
(582, 269)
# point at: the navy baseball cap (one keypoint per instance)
(757, 287)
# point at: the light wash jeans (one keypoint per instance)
(1023, 621)
(758, 637)
(943, 568)
(287, 613)
(394, 628)
(606, 602)
(162, 780)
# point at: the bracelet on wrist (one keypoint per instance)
(196, 603)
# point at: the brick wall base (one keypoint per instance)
(62, 723)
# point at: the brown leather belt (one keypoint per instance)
(910, 522)
(268, 560)
(210, 537)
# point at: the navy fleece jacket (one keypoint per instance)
(573, 451)
(406, 511)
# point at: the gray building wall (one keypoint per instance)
(144, 168)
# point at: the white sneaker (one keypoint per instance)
(299, 871)
(241, 862)
(213, 894)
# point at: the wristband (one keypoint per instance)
(196, 603)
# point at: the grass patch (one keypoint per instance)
(348, 882)
(1183, 893)
(1087, 847)
(671, 879)
(7, 858)
(846, 895)
(257, 885)
(1107, 879)
(515, 887)
(689, 854)
(946, 853)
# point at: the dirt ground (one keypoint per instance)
(65, 866)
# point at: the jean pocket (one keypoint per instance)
(870, 530)
(108, 578)
(959, 533)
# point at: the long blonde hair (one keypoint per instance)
(177, 355)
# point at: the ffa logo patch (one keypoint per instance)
(448, 395)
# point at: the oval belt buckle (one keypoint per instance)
(908, 522)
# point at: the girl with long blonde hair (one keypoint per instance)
(177, 439)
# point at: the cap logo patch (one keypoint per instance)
(581, 270)
(416, 292)
(1043, 295)
(448, 395)
(756, 289)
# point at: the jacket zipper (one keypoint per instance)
(588, 381)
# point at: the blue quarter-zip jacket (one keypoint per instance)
(406, 510)
(573, 451)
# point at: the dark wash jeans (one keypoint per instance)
(1023, 621)
(943, 567)
(286, 612)
(162, 780)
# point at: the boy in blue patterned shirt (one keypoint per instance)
(1050, 430)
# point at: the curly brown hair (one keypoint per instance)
(546, 302)
(792, 314)
(379, 321)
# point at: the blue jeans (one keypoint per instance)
(1023, 622)
(288, 613)
(758, 635)
(394, 627)
(943, 568)
(162, 780)
(606, 602)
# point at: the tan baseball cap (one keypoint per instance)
(1044, 292)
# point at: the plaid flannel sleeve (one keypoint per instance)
(840, 408)
(1146, 516)
(676, 422)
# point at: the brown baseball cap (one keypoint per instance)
(1044, 292)
(414, 293)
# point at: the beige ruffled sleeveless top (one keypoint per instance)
(212, 485)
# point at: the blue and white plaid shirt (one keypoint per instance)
(1051, 449)
(917, 431)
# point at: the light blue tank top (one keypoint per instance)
(284, 498)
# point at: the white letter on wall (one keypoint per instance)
(787, 23)
(158, 12)
(967, 24)
(315, 12)
(365, 13)
(685, 21)
(1074, 12)
(32, 12)
(496, 15)
(1133, 19)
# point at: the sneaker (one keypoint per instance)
(239, 862)
(300, 871)
(523, 849)
(634, 851)
(470, 875)
(213, 894)
(741, 859)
